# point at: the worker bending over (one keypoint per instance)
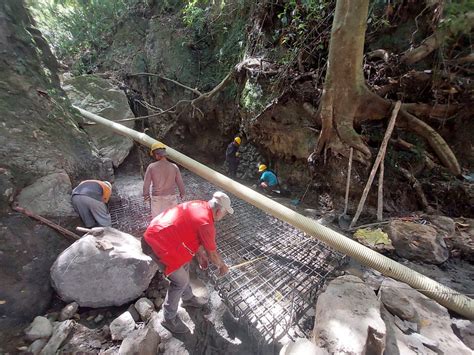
(175, 237)
(163, 177)
(90, 199)
(268, 180)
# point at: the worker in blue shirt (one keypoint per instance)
(268, 180)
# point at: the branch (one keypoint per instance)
(195, 91)
(431, 43)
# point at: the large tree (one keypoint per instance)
(347, 101)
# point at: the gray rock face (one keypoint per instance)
(434, 323)
(94, 277)
(48, 196)
(348, 318)
(122, 326)
(40, 328)
(418, 242)
(98, 96)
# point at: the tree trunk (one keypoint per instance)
(345, 85)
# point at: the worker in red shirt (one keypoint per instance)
(176, 236)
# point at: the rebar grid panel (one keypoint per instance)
(276, 290)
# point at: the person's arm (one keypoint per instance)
(146, 184)
(180, 183)
(216, 259)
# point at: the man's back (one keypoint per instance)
(164, 176)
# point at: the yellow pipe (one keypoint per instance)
(446, 296)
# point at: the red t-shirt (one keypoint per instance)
(176, 234)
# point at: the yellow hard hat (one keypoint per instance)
(237, 140)
(157, 145)
(262, 167)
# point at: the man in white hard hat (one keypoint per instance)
(163, 177)
(175, 237)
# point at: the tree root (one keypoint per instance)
(418, 189)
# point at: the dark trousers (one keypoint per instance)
(232, 165)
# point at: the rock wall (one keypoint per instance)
(39, 136)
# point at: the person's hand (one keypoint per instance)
(223, 269)
(181, 196)
(203, 260)
(237, 154)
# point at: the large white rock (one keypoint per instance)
(95, 276)
(122, 326)
(98, 96)
(348, 319)
(48, 196)
(434, 322)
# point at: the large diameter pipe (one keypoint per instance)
(446, 296)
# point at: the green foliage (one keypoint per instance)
(74, 27)
(453, 16)
(194, 15)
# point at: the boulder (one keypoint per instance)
(463, 241)
(418, 242)
(302, 346)
(145, 308)
(48, 196)
(40, 328)
(122, 326)
(434, 322)
(36, 346)
(27, 251)
(348, 318)
(94, 277)
(98, 96)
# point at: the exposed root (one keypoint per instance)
(418, 189)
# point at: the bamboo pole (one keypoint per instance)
(380, 157)
(380, 193)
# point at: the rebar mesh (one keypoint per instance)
(276, 289)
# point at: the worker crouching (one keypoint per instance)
(268, 180)
(90, 199)
(175, 237)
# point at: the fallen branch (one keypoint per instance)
(418, 189)
(380, 157)
(195, 91)
(49, 223)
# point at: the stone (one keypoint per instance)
(158, 302)
(143, 341)
(419, 242)
(144, 308)
(68, 311)
(396, 302)
(122, 326)
(444, 224)
(99, 318)
(433, 320)
(96, 344)
(49, 196)
(134, 313)
(40, 328)
(99, 96)
(95, 278)
(405, 326)
(302, 346)
(463, 240)
(465, 330)
(61, 331)
(36, 346)
(348, 318)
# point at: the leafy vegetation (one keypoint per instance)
(75, 27)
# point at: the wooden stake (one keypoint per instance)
(380, 157)
(49, 223)
(380, 193)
